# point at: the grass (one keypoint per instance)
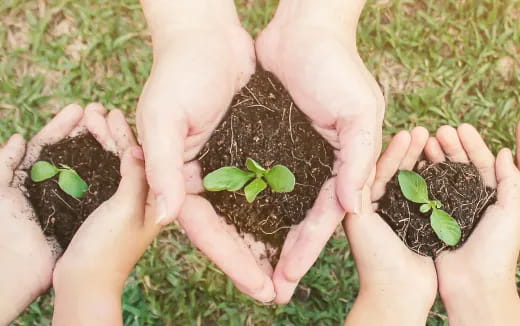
(439, 62)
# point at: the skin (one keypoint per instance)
(27, 256)
(392, 278)
(200, 48)
(311, 48)
(477, 282)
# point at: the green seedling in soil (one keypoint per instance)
(68, 180)
(230, 178)
(415, 189)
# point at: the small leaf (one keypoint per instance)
(280, 179)
(425, 208)
(42, 171)
(254, 188)
(413, 186)
(445, 226)
(255, 167)
(70, 182)
(227, 178)
(437, 204)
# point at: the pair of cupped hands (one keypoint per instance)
(196, 71)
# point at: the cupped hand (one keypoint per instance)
(94, 268)
(319, 65)
(199, 64)
(480, 275)
(26, 255)
(393, 279)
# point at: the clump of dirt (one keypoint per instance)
(61, 215)
(458, 186)
(263, 123)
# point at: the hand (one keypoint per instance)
(398, 286)
(314, 55)
(26, 256)
(477, 282)
(202, 57)
(89, 278)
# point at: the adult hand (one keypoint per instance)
(311, 48)
(26, 256)
(477, 281)
(90, 276)
(202, 57)
(397, 286)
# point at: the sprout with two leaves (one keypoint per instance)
(415, 189)
(68, 180)
(279, 178)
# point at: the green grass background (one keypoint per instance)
(439, 62)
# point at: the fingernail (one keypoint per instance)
(267, 293)
(161, 209)
(137, 153)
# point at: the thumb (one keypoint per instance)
(360, 143)
(163, 145)
(508, 179)
(133, 187)
(10, 157)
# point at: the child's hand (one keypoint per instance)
(26, 256)
(398, 286)
(477, 282)
(90, 276)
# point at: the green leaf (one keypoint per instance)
(437, 204)
(255, 167)
(413, 186)
(70, 182)
(445, 226)
(42, 171)
(280, 179)
(425, 208)
(227, 178)
(254, 188)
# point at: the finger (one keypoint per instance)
(192, 178)
(358, 151)
(451, 145)
(389, 163)
(508, 178)
(314, 232)
(478, 153)
(419, 136)
(204, 229)
(97, 125)
(10, 157)
(163, 144)
(81, 128)
(57, 129)
(433, 151)
(120, 131)
(518, 144)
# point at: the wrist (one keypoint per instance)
(166, 18)
(339, 16)
(476, 304)
(388, 309)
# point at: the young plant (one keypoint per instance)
(229, 178)
(414, 188)
(68, 180)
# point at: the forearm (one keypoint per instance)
(342, 14)
(473, 308)
(87, 306)
(375, 309)
(166, 16)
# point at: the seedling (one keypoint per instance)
(414, 188)
(68, 180)
(230, 178)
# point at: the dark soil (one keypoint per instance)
(264, 124)
(459, 187)
(61, 215)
